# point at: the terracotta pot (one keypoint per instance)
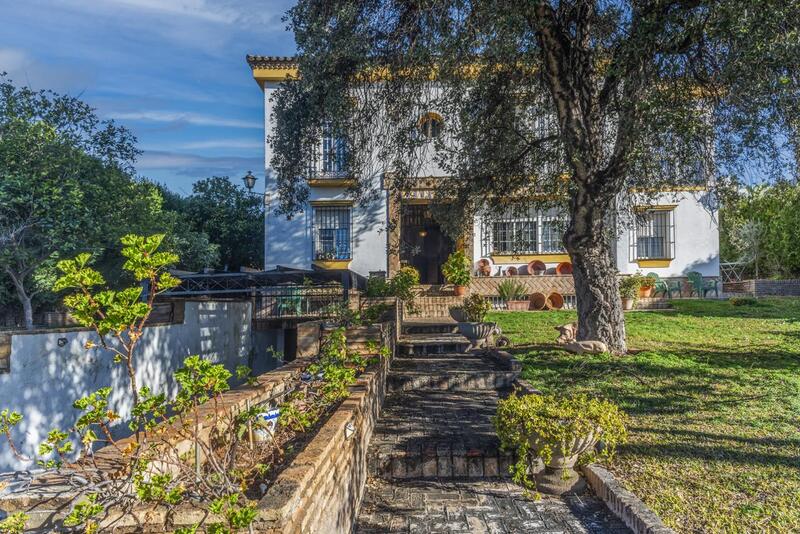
(537, 267)
(646, 292)
(538, 301)
(627, 303)
(517, 305)
(460, 291)
(511, 271)
(559, 476)
(564, 267)
(554, 301)
(484, 267)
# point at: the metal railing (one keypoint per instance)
(294, 301)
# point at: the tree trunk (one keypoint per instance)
(588, 242)
(24, 298)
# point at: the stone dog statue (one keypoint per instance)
(566, 337)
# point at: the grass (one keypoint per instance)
(713, 396)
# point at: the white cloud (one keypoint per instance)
(222, 143)
(186, 117)
(24, 69)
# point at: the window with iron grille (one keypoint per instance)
(332, 233)
(514, 236)
(334, 151)
(653, 235)
(534, 233)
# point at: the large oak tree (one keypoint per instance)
(576, 102)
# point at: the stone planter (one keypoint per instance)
(559, 476)
(477, 333)
(517, 305)
(627, 303)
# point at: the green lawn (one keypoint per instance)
(713, 396)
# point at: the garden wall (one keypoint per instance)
(764, 288)
(48, 370)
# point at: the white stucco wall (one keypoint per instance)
(696, 237)
(46, 379)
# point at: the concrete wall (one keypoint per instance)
(51, 370)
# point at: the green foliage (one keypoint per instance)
(157, 488)
(457, 269)
(9, 419)
(476, 307)
(536, 426)
(83, 513)
(96, 412)
(629, 286)
(150, 410)
(342, 315)
(67, 186)
(743, 301)
(401, 285)
(511, 290)
(199, 380)
(56, 444)
(230, 217)
(14, 523)
(237, 516)
(759, 227)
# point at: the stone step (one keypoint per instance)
(438, 434)
(437, 343)
(429, 326)
(454, 381)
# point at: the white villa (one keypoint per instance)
(678, 235)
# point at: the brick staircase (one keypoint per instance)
(436, 419)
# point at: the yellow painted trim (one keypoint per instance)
(275, 75)
(332, 264)
(331, 182)
(659, 207)
(654, 263)
(527, 258)
(323, 203)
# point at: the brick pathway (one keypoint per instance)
(433, 507)
(434, 459)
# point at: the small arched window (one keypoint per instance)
(430, 126)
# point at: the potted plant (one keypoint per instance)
(558, 430)
(457, 272)
(472, 319)
(513, 293)
(629, 291)
(647, 285)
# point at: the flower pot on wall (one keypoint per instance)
(554, 301)
(646, 292)
(517, 305)
(460, 291)
(484, 267)
(627, 303)
(564, 268)
(536, 267)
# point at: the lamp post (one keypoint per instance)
(250, 182)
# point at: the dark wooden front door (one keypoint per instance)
(423, 245)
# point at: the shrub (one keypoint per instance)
(552, 420)
(511, 290)
(457, 269)
(403, 282)
(476, 307)
(378, 286)
(629, 286)
(744, 301)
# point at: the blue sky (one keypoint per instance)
(172, 71)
